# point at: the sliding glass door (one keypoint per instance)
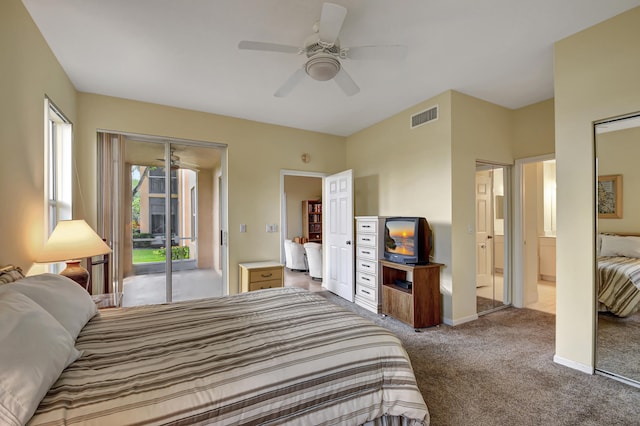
(170, 235)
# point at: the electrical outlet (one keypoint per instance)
(243, 227)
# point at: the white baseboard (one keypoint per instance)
(449, 321)
(572, 364)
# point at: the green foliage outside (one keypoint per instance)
(177, 252)
(147, 255)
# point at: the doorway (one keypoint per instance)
(158, 201)
(336, 258)
(296, 187)
(535, 234)
(493, 290)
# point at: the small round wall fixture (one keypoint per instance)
(306, 158)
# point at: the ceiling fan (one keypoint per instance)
(324, 53)
(176, 163)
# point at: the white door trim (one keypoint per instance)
(518, 227)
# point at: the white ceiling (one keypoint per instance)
(184, 53)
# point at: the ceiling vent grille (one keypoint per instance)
(424, 117)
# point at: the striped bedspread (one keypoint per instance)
(619, 291)
(278, 356)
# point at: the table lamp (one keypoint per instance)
(70, 241)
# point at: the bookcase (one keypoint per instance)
(312, 220)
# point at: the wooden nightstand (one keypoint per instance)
(260, 275)
(107, 300)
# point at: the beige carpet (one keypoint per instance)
(619, 345)
(499, 370)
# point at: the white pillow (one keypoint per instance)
(617, 245)
(34, 349)
(62, 297)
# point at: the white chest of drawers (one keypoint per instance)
(369, 249)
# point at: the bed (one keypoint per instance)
(276, 356)
(619, 274)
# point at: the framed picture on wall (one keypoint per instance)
(610, 197)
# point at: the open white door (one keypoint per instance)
(338, 234)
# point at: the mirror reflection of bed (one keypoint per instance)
(618, 251)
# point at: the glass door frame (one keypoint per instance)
(119, 167)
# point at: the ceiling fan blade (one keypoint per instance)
(331, 21)
(389, 52)
(290, 84)
(269, 47)
(346, 83)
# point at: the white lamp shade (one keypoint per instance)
(72, 239)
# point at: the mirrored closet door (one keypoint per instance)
(492, 278)
(617, 150)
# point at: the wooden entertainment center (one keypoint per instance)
(418, 306)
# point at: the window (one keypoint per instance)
(58, 167)
(157, 178)
(157, 215)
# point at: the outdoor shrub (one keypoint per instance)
(177, 252)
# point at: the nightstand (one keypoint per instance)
(107, 300)
(260, 275)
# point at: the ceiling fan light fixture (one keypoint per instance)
(322, 67)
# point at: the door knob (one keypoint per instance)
(348, 243)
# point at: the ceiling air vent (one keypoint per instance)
(424, 117)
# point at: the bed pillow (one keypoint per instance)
(617, 245)
(62, 297)
(34, 349)
(10, 274)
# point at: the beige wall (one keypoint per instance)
(480, 131)
(596, 77)
(400, 171)
(29, 72)
(430, 171)
(299, 188)
(534, 130)
(207, 215)
(256, 153)
(618, 154)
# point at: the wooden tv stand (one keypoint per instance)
(418, 306)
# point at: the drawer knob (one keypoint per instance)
(365, 291)
(266, 275)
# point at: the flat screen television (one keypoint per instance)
(407, 240)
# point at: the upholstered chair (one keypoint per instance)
(314, 258)
(294, 256)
